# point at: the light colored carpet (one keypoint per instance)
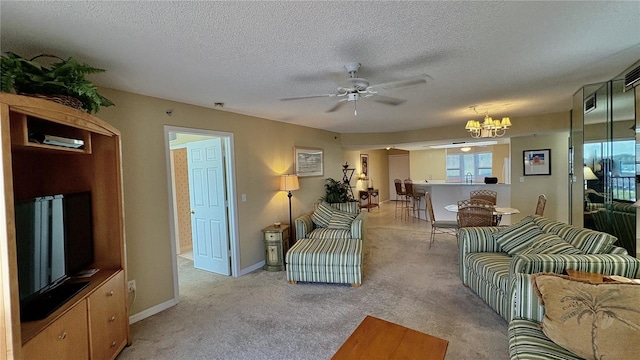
(261, 316)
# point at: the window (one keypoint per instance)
(476, 166)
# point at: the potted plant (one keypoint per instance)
(336, 191)
(57, 82)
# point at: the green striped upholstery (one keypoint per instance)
(322, 215)
(502, 281)
(517, 237)
(550, 244)
(489, 278)
(325, 260)
(306, 227)
(528, 342)
(326, 233)
(587, 240)
(341, 220)
(472, 240)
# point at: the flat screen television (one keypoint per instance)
(54, 238)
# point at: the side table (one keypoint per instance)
(368, 199)
(276, 245)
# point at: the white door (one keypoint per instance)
(208, 206)
(398, 169)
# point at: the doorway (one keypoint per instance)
(203, 216)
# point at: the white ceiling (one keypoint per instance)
(508, 58)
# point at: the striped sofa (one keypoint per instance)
(503, 281)
(326, 253)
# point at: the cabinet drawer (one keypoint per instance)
(272, 236)
(107, 318)
(66, 338)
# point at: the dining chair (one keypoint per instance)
(475, 215)
(401, 198)
(477, 202)
(449, 227)
(415, 196)
(488, 195)
(542, 202)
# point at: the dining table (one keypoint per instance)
(498, 210)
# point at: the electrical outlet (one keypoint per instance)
(131, 285)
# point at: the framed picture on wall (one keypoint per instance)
(364, 165)
(536, 162)
(308, 161)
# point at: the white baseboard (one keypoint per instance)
(167, 304)
(252, 268)
(152, 311)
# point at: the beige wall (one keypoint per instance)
(524, 195)
(428, 164)
(263, 151)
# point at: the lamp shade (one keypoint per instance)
(588, 174)
(289, 182)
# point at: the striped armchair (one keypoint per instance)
(329, 245)
(503, 280)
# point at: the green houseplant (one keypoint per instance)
(64, 78)
(336, 192)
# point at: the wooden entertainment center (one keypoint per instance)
(93, 324)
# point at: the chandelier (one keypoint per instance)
(488, 128)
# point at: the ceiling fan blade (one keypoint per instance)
(337, 106)
(307, 97)
(388, 100)
(400, 83)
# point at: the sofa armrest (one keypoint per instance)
(609, 264)
(358, 226)
(304, 226)
(475, 239)
(523, 301)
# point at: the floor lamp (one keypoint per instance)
(289, 183)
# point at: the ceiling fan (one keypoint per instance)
(355, 88)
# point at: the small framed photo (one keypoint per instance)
(308, 161)
(364, 165)
(537, 162)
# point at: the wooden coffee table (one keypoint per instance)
(379, 339)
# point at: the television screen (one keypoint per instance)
(54, 240)
(40, 244)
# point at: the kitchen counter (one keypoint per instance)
(443, 194)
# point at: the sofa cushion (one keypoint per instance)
(517, 237)
(326, 233)
(550, 244)
(527, 341)
(341, 220)
(322, 215)
(492, 267)
(595, 321)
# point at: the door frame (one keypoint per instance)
(230, 189)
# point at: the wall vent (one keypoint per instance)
(589, 103)
(632, 78)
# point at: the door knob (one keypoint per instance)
(193, 212)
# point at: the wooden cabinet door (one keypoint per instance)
(66, 338)
(107, 322)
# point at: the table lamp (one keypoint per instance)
(289, 183)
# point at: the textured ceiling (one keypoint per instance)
(508, 58)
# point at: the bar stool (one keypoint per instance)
(401, 197)
(416, 198)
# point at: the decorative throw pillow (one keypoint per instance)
(322, 214)
(550, 244)
(594, 321)
(517, 237)
(341, 220)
